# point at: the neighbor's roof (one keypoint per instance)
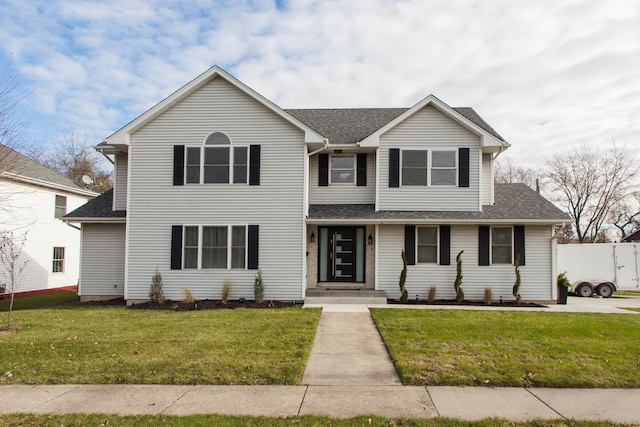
(352, 125)
(633, 237)
(16, 166)
(98, 208)
(513, 203)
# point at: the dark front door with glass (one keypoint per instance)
(341, 254)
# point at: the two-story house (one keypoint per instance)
(216, 182)
(33, 200)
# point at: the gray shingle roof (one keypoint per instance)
(100, 207)
(351, 125)
(513, 202)
(16, 163)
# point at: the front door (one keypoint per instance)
(341, 254)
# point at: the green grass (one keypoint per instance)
(231, 421)
(38, 301)
(508, 348)
(627, 293)
(115, 345)
(632, 309)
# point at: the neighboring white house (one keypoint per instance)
(33, 199)
(216, 181)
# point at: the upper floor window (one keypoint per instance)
(501, 245)
(343, 169)
(61, 206)
(415, 164)
(217, 162)
(443, 168)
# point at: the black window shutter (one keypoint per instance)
(463, 167)
(518, 243)
(445, 245)
(178, 165)
(323, 170)
(410, 243)
(483, 244)
(394, 167)
(176, 247)
(361, 161)
(253, 249)
(254, 165)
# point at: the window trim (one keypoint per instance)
(437, 244)
(230, 165)
(354, 170)
(229, 246)
(511, 246)
(60, 261)
(59, 206)
(426, 168)
(455, 168)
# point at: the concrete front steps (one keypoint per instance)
(344, 296)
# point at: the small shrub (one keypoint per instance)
(156, 294)
(188, 296)
(404, 295)
(258, 288)
(516, 285)
(457, 285)
(488, 296)
(226, 292)
(563, 280)
(431, 297)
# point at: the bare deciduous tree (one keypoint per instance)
(507, 173)
(588, 183)
(73, 156)
(11, 264)
(625, 215)
(12, 126)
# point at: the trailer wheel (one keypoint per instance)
(584, 290)
(605, 290)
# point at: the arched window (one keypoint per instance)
(213, 161)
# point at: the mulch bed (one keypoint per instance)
(466, 302)
(213, 304)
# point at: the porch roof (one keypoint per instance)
(513, 203)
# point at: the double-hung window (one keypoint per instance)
(443, 167)
(415, 164)
(501, 245)
(215, 247)
(217, 162)
(428, 244)
(61, 206)
(58, 260)
(343, 169)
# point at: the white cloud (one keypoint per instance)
(545, 75)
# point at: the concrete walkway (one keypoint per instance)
(466, 403)
(348, 350)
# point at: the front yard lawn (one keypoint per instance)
(508, 348)
(306, 421)
(114, 345)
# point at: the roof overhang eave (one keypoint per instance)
(399, 221)
(88, 220)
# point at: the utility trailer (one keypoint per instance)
(599, 268)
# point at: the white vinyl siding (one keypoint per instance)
(343, 194)
(487, 180)
(429, 129)
(276, 205)
(31, 207)
(102, 271)
(536, 274)
(120, 184)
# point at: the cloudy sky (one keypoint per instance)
(546, 74)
